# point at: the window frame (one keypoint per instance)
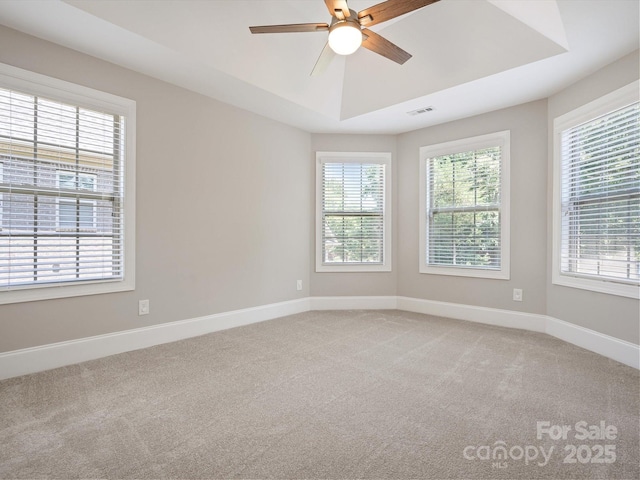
(497, 139)
(606, 104)
(59, 90)
(383, 158)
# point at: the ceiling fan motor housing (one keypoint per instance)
(345, 35)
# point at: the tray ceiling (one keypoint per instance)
(469, 56)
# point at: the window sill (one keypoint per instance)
(600, 286)
(352, 268)
(466, 272)
(33, 293)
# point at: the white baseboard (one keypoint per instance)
(605, 345)
(489, 316)
(46, 357)
(36, 359)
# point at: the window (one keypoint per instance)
(353, 224)
(596, 226)
(76, 213)
(67, 188)
(464, 207)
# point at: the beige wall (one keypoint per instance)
(223, 207)
(609, 314)
(345, 284)
(527, 124)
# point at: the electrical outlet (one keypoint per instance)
(299, 284)
(143, 307)
(517, 294)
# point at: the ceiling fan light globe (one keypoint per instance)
(345, 38)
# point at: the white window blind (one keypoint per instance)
(600, 197)
(1, 196)
(62, 192)
(353, 211)
(464, 216)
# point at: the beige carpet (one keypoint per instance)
(359, 394)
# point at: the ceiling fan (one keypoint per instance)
(348, 30)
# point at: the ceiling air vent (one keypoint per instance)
(420, 111)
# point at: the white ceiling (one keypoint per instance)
(469, 56)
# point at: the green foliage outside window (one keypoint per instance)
(464, 209)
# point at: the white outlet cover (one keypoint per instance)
(143, 307)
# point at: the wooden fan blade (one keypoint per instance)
(384, 47)
(338, 6)
(323, 61)
(291, 28)
(390, 9)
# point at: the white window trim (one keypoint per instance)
(608, 103)
(55, 89)
(501, 139)
(355, 157)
